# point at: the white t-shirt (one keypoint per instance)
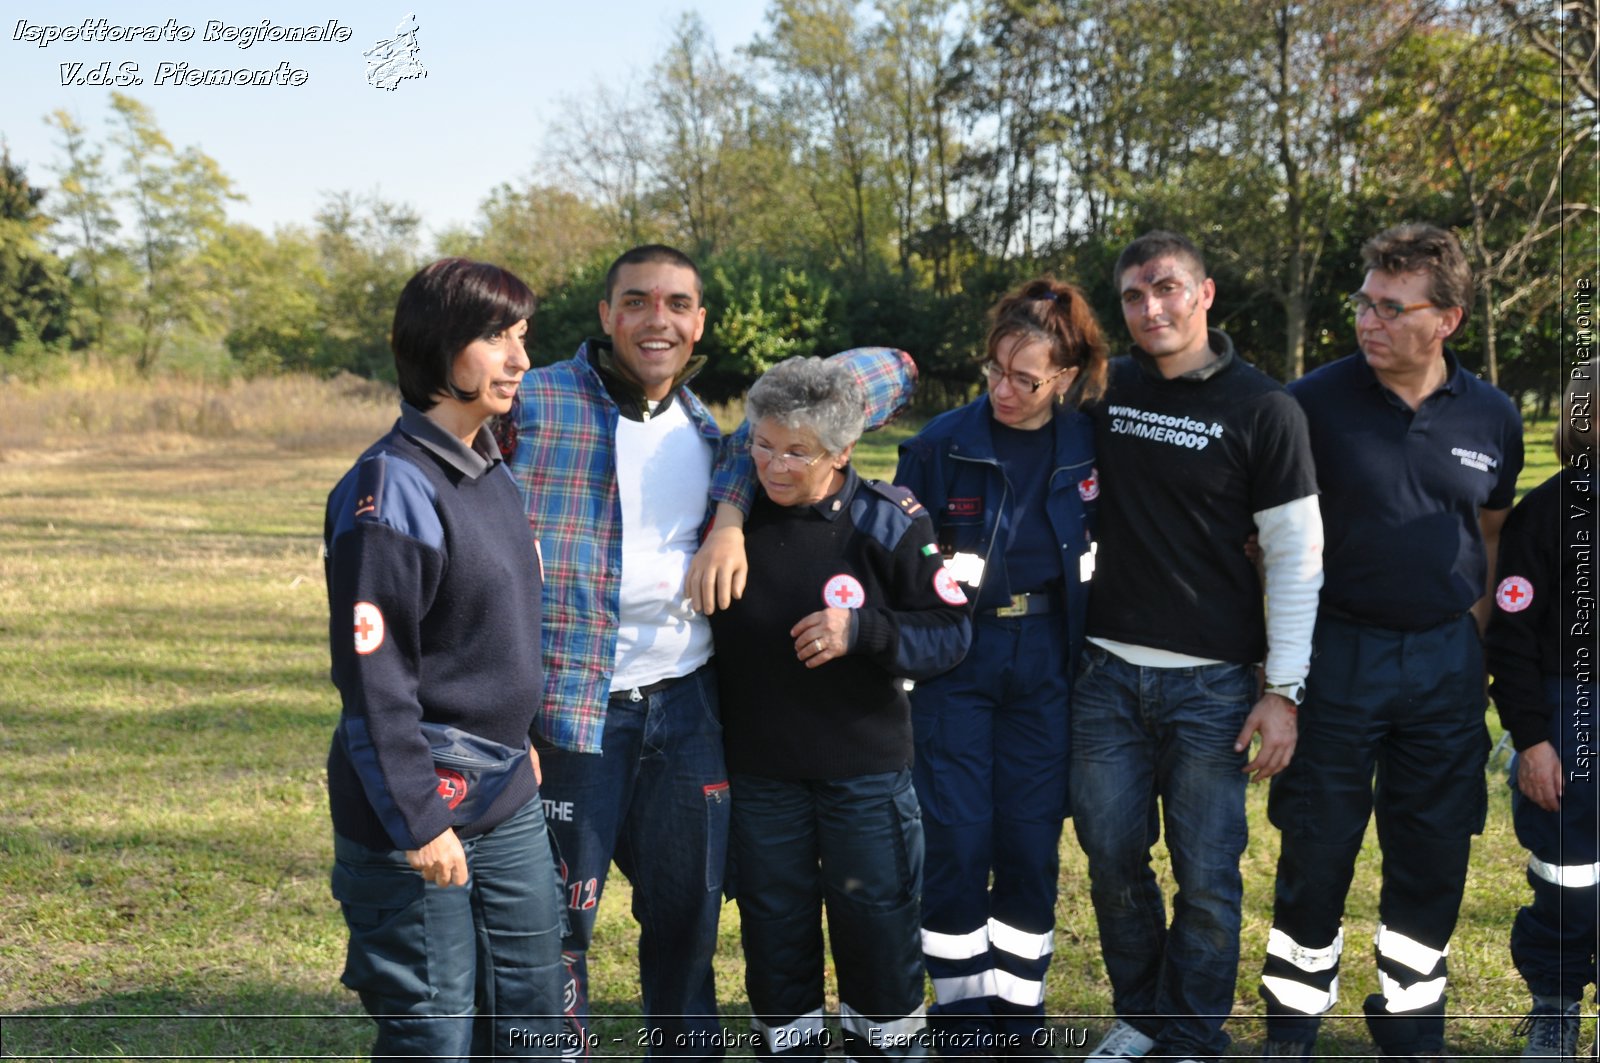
(663, 478)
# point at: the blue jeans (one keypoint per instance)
(656, 801)
(1139, 736)
(856, 844)
(448, 972)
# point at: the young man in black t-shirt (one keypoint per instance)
(1196, 450)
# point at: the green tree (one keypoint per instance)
(277, 293)
(368, 250)
(910, 45)
(599, 148)
(818, 51)
(87, 226)
(765, 314)
(1267, 173)
(178, 202)
(1474, 133)
(539, 232)
(35, 295)
(697, 170)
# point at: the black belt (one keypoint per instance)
(1036, 604)
(640, 693)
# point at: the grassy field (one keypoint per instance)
(165, 712)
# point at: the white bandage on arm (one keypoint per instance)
(1291, 556)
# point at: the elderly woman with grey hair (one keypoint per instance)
(847, 596)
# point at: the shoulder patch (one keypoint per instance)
(368, 495)
(946, 587)
(883, 512)
(1514, 594)
(844, 591)
(369, 628)
(387, 489)
(900, 496)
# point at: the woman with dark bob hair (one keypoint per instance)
(1010, 484)
(441, 861)
(846, 596)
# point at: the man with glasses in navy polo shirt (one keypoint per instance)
(1417, 460)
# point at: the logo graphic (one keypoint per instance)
(452, 787)
(1089, 489)
(946, 587)
(395, 60)
(964, 507)
(844, 592)
(369, 628)
(1514, 594)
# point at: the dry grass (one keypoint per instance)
(89, 406)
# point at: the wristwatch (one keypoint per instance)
(1295, 691)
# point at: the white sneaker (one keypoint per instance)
(1122, 1042)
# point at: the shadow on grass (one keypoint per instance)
(261, 1021)
(248, 1020)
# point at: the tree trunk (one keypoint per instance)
(1491, 362)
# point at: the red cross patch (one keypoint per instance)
(452, 786)
(369, 628)
(1089, 489)
(946, 587)
(1514, 594)
(844, 592)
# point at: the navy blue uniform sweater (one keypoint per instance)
(433, 599)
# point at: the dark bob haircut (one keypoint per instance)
(442, 309)
(638, 256)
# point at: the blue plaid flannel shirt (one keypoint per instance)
(564, 460)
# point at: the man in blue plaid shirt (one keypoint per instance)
(615, 458)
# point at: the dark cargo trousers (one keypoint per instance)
(1393, 725)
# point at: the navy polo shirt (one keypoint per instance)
(1401, 490)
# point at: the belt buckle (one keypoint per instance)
(1018, 606)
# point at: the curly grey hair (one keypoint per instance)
(811, 393)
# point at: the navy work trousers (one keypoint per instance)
(991, 775)
(855, 845)
(1393, 724)
(1555, 938)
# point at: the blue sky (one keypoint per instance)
(497, 72)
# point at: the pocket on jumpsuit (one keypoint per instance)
(386, 913)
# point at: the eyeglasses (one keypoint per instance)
(1019, 381)
(1385, 309)
(767, 456)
